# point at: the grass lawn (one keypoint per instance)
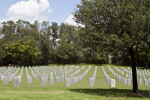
(78, 91)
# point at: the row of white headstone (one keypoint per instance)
(70, 70)
(144, 72)
(40, 72)
(58, 73)
(78, 78)
(44, 76)
(77, 67)
(18, 78)
(109, 80)
(6, 71)
(145, 78)
(74, 73)
(61, 74)
(92, 79)
(8, 75)
(29, 78)
(120, 71)
(35, 76)
(127, 71)
(124, 80)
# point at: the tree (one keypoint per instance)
(66, 48)
(45, 48)
(54, 37)
(122, 24)
(21, 53)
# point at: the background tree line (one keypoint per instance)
(23, 43)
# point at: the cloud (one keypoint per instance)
(29, 10)
(70, 20)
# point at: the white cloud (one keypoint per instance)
(70, 20)
(29, 10)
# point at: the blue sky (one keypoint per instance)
(51, 10)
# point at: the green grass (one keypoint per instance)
(78, 91)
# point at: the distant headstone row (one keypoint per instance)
(92, 79)
(18, 78)
(145, 75)
(142, 73)
(120, 78)
(121, 72)
(69, 74)
(109, 80)
(76, 79)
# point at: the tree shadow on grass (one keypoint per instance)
(111, 92)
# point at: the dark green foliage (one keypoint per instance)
(55, 44)
(21, 53)
(120, 26)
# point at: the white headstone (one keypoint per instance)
(19, 77)
(36, 77)
(43, 81)
(2, 76)
(13, 76)
(140, 76)
(91, 82)
(16, 82)
(125, 81)
(146, 82)
(5, 80)
(68, 84)
(57, 79)
(72, 80)
(29, 79)
(51, 80)
(140, 81)
(46, 77)
(129, 81)
(127, 75)
(112, 82)
(9, 78)
(147, 76)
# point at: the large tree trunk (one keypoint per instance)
(134, 74)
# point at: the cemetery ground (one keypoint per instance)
(78, 91)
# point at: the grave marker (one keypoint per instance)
(68, 84)
(16, 82)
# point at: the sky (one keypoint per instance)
(42, 10)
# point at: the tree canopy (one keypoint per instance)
(121, 26)
(55, 44)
